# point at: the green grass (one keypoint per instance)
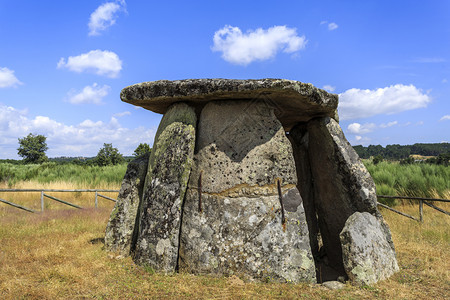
(415, 180)
(88, 176)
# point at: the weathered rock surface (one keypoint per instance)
(166, 183)
(299, 138)
(293, 101)
(241, 153)
(367, 253)
(333, 285)
(219, 211)
(120, 232)
(342, 185)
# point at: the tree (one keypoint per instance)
(142, 149)
(32, 148)
(377, 159)
(108, 155)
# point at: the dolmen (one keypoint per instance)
(252, 178)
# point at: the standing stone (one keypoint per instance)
(235, 225)
(342, 184)
(120, 232)
(166, 183)
(299, 138)
(367, 253)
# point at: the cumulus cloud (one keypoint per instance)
(83, 139)
(332, 26)
(329, 88)
(90, 94)
(355, 103)
(356, 128)
(389, 124)
(105, 16)
(122, 114)
(444, 118)
(260, 44)
(8, 79)
(105, 63)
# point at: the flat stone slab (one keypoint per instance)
(293, 101)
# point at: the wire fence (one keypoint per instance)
(422, 201)
(44, 196)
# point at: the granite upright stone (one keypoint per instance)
(121, 231)
(232, 218)
(166, 183)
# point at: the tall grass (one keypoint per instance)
(415, 180)
(86, 176)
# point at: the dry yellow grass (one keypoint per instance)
(58, 255)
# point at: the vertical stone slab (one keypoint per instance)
(120, 232)
(299, 138)
(367, 253)
(342, 184)
(234, 226)
(166, 183)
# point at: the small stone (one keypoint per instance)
(333, 285)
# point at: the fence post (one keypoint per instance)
(42, 201)
(96, 199)
(421, 210)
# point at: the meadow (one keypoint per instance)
(59, 254)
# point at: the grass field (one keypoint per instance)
(59, 255)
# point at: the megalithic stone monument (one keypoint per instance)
(253, 178)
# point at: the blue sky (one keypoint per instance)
(63, 64)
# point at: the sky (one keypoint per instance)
(64, 63)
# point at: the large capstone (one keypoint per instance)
(121, 232)
(166, 183)
(293, 101)
(232, 217)
(368, 255)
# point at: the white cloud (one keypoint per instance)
(105, 16)
(356, 128)
(122, 114)
(329, 88)
(244, 48)
(389, 124)
(444, 80)
(8, 79)
(84, 139)
(355, 103)
(444, 118)
(105, 63)
(90, 94)
(332, 26)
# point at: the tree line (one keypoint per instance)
(439, 151)
(33, 147)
